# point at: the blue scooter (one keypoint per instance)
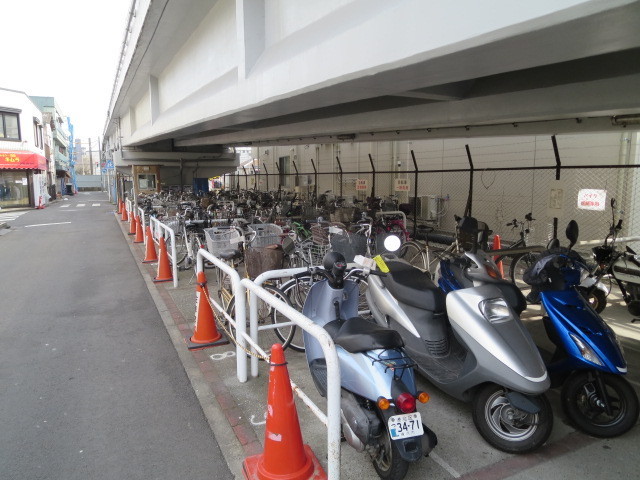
(378, 389)
(588, 361)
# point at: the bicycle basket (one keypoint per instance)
(266, 234)
(262, 259)
(319, 235)
(172, 222)
(220, 239)
(343, 215)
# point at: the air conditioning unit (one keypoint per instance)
(304, 180)
(430, 208)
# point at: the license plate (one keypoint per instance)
(405, 426)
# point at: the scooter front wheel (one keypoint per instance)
(596, 298)
(583, 403)
(387, 461)
(506, 427)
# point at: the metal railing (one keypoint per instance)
(254, 328)
(240, 320)
(331, 419)
(156, 228)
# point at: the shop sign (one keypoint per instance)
(22, 160)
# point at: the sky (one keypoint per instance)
(67, 49)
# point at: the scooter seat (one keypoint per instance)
(359, 335)
(412, 286)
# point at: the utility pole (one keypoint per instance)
(90, 157)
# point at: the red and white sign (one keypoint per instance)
(22, 160)
(590, 199)
(362, 184)
(401, 185)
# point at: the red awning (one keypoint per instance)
(22, 160)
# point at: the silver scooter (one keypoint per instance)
(473, 346)
(378, 390)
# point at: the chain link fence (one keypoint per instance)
(440, 179)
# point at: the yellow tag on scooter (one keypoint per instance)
(381, 264)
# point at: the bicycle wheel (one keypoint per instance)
(225, 291)
(296, 291)
(181, 248)
(519, 265)
(413, 253)
(268, 315)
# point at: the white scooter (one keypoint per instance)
(379, 394)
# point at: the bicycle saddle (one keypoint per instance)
(230, 254)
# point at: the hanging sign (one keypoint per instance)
(555, 202)
(401, 185)
(590, 199)
(362, 184)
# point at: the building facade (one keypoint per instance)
(61, 135)
(23, 164)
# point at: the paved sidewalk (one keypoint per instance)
(236, 411)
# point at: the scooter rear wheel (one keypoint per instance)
(387, 461)
(581, 401)
(507, 428)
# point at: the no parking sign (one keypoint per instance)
(591, 199)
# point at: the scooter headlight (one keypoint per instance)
(585, 350)
(495, 310)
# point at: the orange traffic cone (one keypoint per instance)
(124, 217)
(132, 224)
(150, 255)
(139, 235)
(205, 333)
(164, 269)
(497, 246)
(284, 457)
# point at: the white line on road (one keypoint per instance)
(80, 205)
(64, 206)
(95, 204)
(45, 224)
(436, 458)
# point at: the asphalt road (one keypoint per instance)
(91, 385)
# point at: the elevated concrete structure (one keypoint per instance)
(197, 77)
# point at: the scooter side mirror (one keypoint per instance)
(572, 232)
(392, 243)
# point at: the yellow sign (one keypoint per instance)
(382, 266)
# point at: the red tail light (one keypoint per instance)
(406, 403)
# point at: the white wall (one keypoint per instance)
(20, 100)
(208, 54)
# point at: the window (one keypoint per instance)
(9, 126)
(37, 135)
(147, 181)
